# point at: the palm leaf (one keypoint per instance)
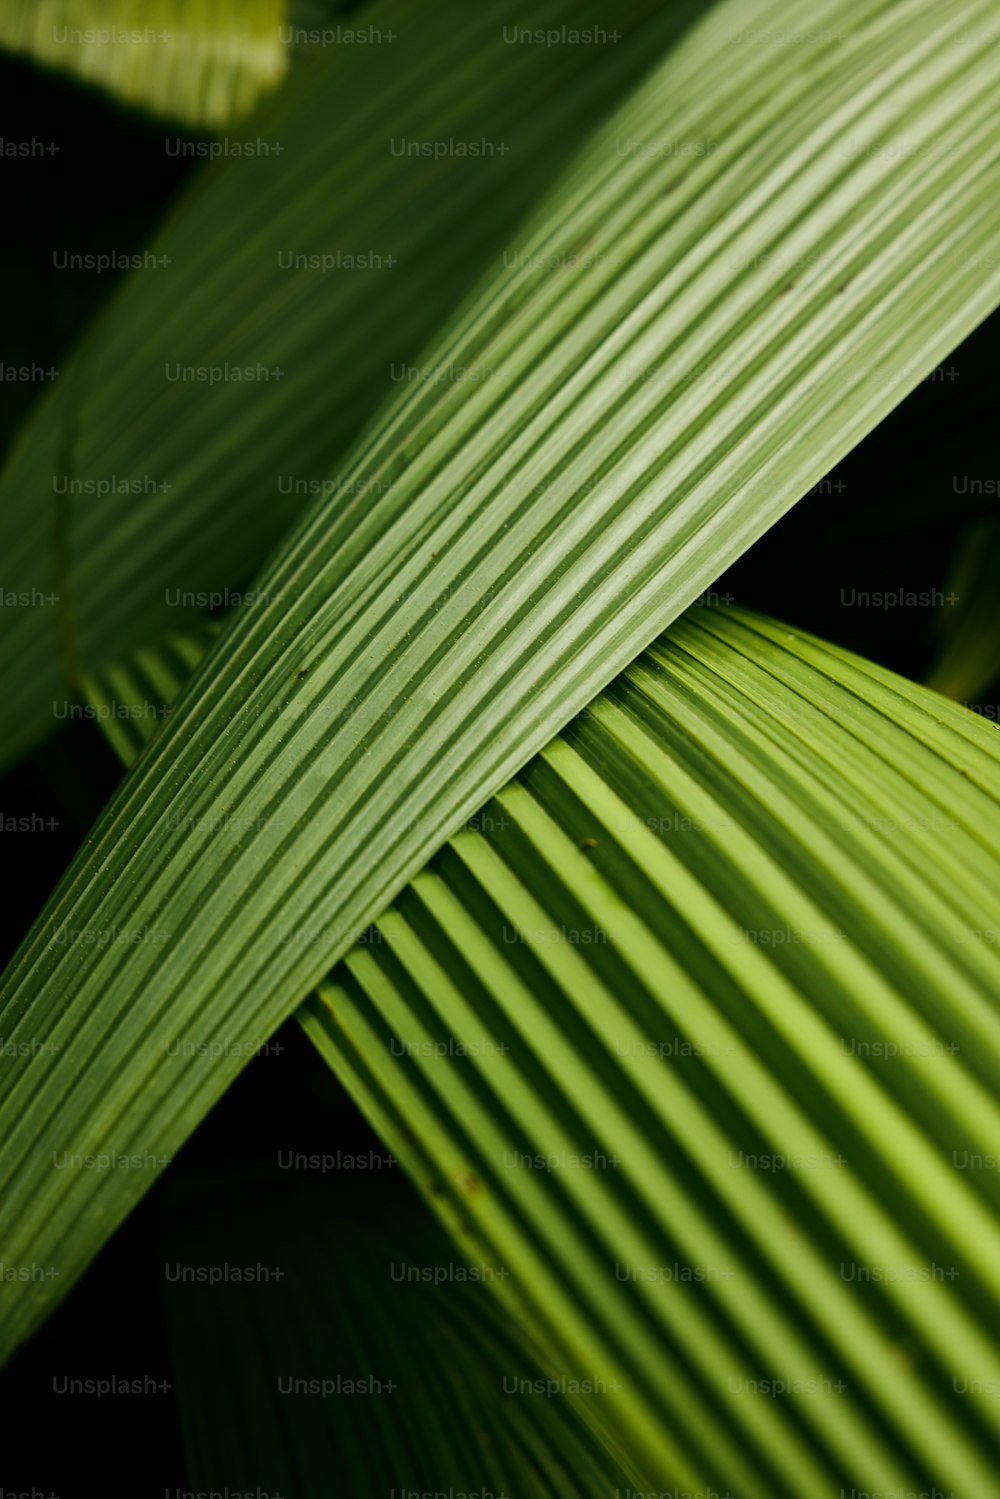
(130, 701)
(731, 942)
(408, 654)
(639, 948)
(321, 258)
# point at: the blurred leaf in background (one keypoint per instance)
(204, 63)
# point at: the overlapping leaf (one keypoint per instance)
(697, 1032)
(736, 921)
(295, 284)
(649, 411)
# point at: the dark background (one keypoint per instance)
(887, 519)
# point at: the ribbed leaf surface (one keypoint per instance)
(296, 283)
(408, 653)
(699, 1031)
(746, 885)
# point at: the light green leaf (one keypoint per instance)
(204, 62)
(465, 1028)
(411, 649)
(318, 256)
(698, 1030)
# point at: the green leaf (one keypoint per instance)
(131, 700)
(204, 62)
(320, 257)
(337, 1293)
(549, 923)
(698, 1032)
(409, 651)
